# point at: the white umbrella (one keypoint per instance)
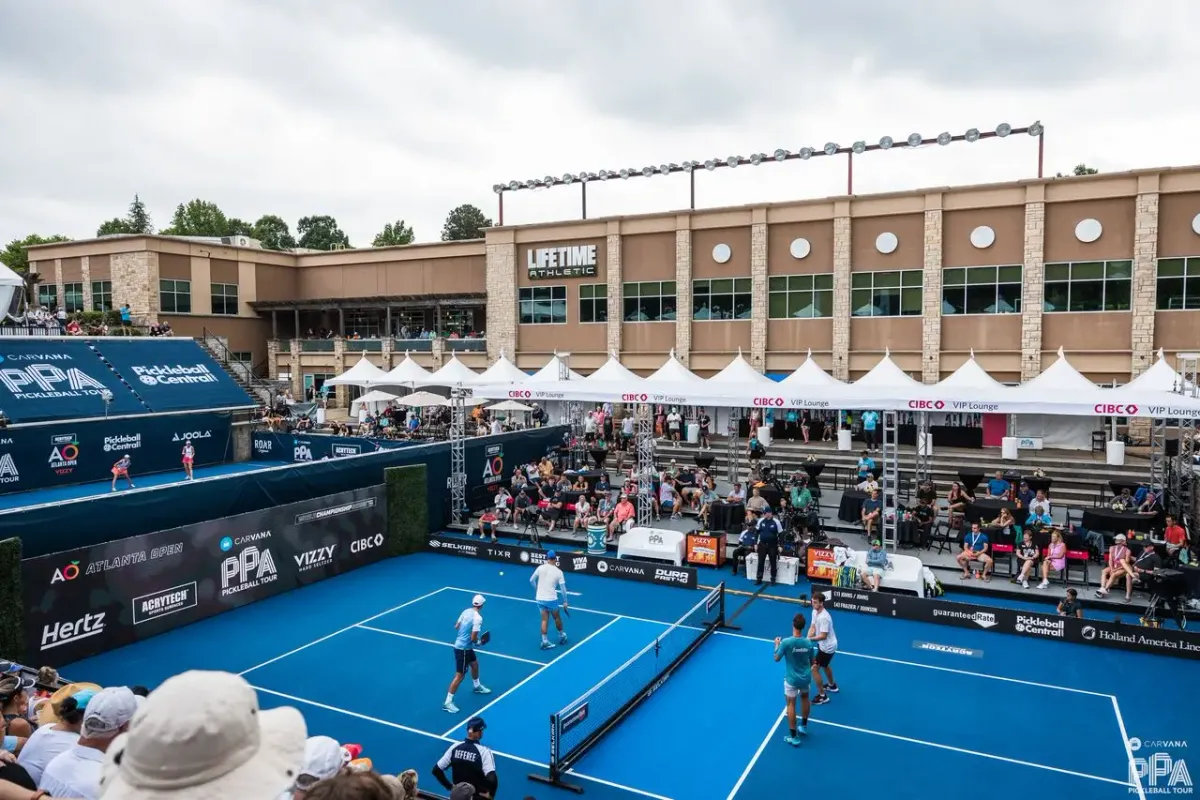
(371, 400)
(509, 405)
(422, 400)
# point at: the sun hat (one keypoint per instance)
(48, 712)
(201, 735)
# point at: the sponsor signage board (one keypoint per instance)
(173, 374)
(94, 599)
(1098, 633)
(662, 574)
(269, 446)
(568, 261)
(60, 379)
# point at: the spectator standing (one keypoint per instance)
(870, 420)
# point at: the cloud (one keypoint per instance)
(373, 110)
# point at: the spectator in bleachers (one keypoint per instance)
(998, 487)
(1118, 568)
(59, 721)
(352, 786)
(76, 771)
(323, 759)
(14, 705)
(1175, 535)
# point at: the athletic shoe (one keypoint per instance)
(820, 700)
(547, 645)
(481, 689)
(794, 741)
(833, 687)
(802, 730)
(450, 708)
(562, 639)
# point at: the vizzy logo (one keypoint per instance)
(369, 543)
(8, 469)
(60, 633)
(1116, 409)
(768, 402)
(311, 559)
(926, 405)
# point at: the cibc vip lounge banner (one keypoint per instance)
(662, 574)
(94, 599)
(1161, 641)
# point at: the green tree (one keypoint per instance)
(1080, 169)
(238, 227)
(273, 232)
(15, 255)
(321, 232)
(394, 234)
(465, 222)
(198, 218)
(136, 221)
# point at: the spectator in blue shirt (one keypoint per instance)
(870, 419)
(877, 564)
(1039, 518)
(746, 544)
(865, 465)
(975, 548)
(872, 511)
(998, 487)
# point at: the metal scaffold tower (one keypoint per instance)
(457, 482)
(1159, 469)
(889, 479)
(731, 445)
(574, 415)
(924, 450)
(1183, 474)
(645, 465)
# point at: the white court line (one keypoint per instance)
(428, 735)
(737, 787)
(1133, 773)
(341, 631)
(479, 650)
(536, 672)
(840, 652)
(964, 751)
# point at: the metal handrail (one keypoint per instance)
(248, 374)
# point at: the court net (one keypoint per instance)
(578, 726)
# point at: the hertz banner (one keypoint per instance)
(80, 452)
(662, 574)
(50, 378)
(94, 599)
(172, 374)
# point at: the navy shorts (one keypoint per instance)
(463, 659)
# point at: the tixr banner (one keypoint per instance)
(87, 601)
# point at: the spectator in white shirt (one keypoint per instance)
(1040, 505)
(75, 772)
(501, 502)
(59, 721)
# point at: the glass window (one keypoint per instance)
(225, 299)
(1178, 284)
(102, 296)
(648, 301)
(542, 305)
(593, 302)
(1089, 286)
(800, 296)
(721, 299)
(886, 294)
(73, 293)
(47, 295)
(981, 290)
(175, 297)
(242, 356)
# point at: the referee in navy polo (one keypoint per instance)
(469, 762)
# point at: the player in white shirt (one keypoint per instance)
(549, 581)
(468, 627)
(821, 633)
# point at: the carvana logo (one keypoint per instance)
(1, 359)
(226, 544)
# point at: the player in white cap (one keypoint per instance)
(468, 627)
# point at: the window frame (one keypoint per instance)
(1189, 267)
(100, 291)
(710, 288)
(596, 301)
(1071, 281)
(73, 297)
(949, 273)
(552, 299)
(175, 293)
(786, 293)
(900, 287)
(51, 292)
(225, 298)
(653, 292)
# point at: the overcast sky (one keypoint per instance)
(373, 110)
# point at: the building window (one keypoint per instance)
(47, 295)
(542, 305)
(1178, 284)
(800, 296)
(175, 297)
(720, 299)
(225, 299)
(648, 301)
(241, 356)
(1089, 286)
(593, 302)
(102, 296)
(73, 293)
(981, 290)
(886, 294)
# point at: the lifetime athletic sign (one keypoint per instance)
(572, 261)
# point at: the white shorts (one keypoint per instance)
(876, 571)
(790, 691)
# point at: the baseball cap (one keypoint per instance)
(1120, 537)
(476, 724)
(462, 791)
(108, 711)
(876, 543)
(322, 759)
(9, 666)
(478, 600)
(551, 555)
(202, 735)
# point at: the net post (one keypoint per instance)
(553, 776)
(722, 619)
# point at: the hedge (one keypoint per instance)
(407, 509)
(12, 603)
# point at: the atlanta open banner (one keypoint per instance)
(94, 599)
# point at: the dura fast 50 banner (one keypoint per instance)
(80, 452)
(51, 378)
(94, 599)
(171, 374)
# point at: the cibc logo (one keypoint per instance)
(926, 405)
(520, 394)
(1116, 409)
(768, 402)
(634, 398)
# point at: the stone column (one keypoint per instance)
(85, 270)
(387, 349)
(295, 371)
(135, 281)
(683, 289)
(1145, 295)
(612, 274)
(273, 359)
(502, 297)
(60, 293)
(341, 394)
(758, 290)
(841, 292)
(931, 296)
(1033, 292)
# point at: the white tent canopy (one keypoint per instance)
(970, 376)
(364, 373)
(809, 374)
(502, 371)
(674, 374)
(11, 287)
(613, 371)
(550, 373)
(740, 373)
(886, 374)
(1161, 377)
(406, 373)
(1059, 377)
(422, 400)
(452, 373)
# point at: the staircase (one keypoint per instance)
(1080, 478)
(261, 389)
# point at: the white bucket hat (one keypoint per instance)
(201, 735)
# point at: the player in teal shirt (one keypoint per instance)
(796, 653)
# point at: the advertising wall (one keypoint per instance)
(298, 448)
(93, 599)
(80, 452)
(171, 374)
(46, 378)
